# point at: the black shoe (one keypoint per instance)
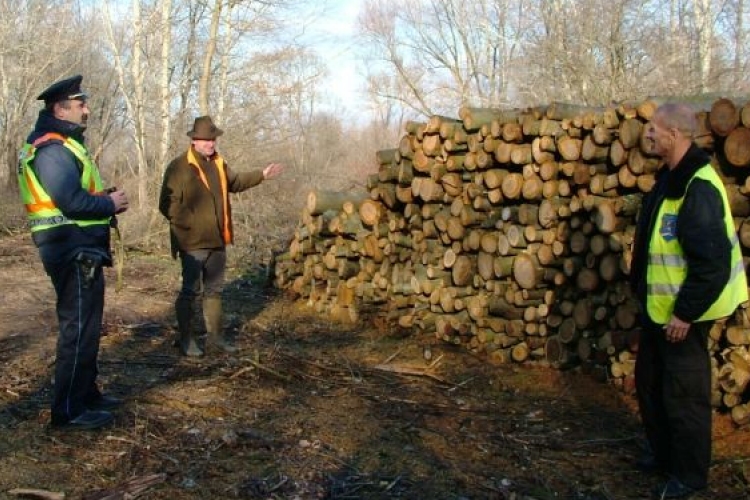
(674, 488)
(104, 403)
(87, 420)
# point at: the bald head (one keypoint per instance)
(677, 116)
(671, 132)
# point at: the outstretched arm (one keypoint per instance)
(272, 170)
(240, 181)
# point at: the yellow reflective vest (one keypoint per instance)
(41, 210)
(667, 267)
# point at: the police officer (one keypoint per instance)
(687, 272)
(69, 213)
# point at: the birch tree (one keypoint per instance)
(739, 41)
(185, 59)
(703, 10)
(225, 62)
(207, 69)
(166, 42)
(131, 78)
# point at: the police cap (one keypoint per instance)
(70, 88)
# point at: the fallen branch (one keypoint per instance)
(166, 362)
(281, 483)
(40, 494)
(407, 370)
(142, 326)
(393, 483)
(260, 366)
(599, 442)
(129, 489)
(435, 362)
(239, 372)
(136, 443)
(461, 384)
(334, 369)
(392, 356)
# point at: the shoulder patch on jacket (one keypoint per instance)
(668, 227)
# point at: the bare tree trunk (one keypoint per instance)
(204, 89)
(617, 51)
(225, 63)
(166, 42)
(133, 100)
(739, 43)
(554, 18)
(189, 66)
(705, 31)
(138, 115)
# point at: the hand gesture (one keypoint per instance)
(272, 170)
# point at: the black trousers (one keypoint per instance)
(673, 384)
(80, 307)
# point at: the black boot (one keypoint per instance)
(188, 342)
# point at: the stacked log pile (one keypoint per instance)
(509, 232)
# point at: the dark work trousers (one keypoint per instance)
(673, 383)
(202, 273)
(80, 307)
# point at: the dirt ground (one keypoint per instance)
(308, 409)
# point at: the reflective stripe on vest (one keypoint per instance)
(41, 210)
(226, 230)
(667, 267)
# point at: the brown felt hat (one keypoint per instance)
(204, 128)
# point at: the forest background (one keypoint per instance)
(259, 68)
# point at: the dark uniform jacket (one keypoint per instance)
(700, 231)
(59, 172)
(196, 213)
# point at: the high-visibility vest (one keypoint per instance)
(667, 267)
(41, 210)
(226, 230)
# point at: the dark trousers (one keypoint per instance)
(202, 273)
(80, 306)
(673, 383)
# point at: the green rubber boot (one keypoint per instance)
(214, 317)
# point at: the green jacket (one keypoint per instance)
(195, 200)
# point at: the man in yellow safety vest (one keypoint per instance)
(69, 213)
(687, 272)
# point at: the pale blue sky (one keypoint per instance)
(337, 30)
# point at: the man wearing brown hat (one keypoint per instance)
(195, 200)
(69, 212)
